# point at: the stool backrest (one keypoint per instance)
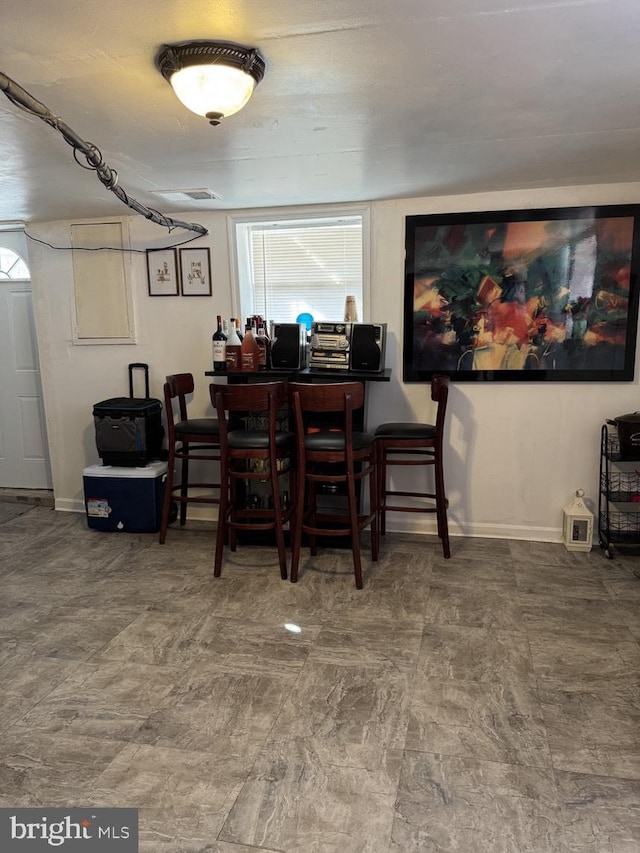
(176, 387)
(440, 395)
(335, 398)
(328, 397)
(258, 398)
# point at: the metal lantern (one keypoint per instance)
(578, 524)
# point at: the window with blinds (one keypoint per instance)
(300, 266)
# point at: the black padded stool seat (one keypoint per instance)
(240, 439)
(205, 427)
(405, 430)
(336, 442)
(414, 443)
(189, 440)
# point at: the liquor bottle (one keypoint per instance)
(249, 351)
(234, 343)
(219, 346)
(263, 342)
(238, 329)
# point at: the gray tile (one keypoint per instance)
(106, 700)
(71, 632)
(527, 554)
(192, 831)
(474, 607)
(226, 847)
(596, 733)
(10, 511)
(476, 571)
(160, 637)
(233, 710)
(561, 580)
(624, 589)
(314, 795)
(585, 791)
(466, 653)
(51, 769)
(600, 813)
(463, 546)
(489, 722)
(447, 804)
(364, 642)
(350, 704)
(27, 679)
(596, 617)
(577, 662)
(183, 797)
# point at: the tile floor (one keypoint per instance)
(486, 703)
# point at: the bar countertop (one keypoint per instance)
(309, 374)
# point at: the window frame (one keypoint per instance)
(241, 295)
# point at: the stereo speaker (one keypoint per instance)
(287, 346)
(368, 341)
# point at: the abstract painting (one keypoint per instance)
(522, 295)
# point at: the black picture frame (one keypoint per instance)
(162, 272)
(522, 295)
(195, 272)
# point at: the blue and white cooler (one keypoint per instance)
(124, 499)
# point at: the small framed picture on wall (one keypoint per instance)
(162, 271)
(195, 272)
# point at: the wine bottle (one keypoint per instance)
(219, 345)
(234, 343)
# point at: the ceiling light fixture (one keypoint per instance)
(212, 78)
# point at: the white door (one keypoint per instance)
(24, 460)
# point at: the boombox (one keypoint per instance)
(288, 346)
(348, 346)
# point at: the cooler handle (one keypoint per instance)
(139, 365)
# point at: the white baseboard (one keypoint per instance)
(421, 526)
(68, 505)
(400, 524)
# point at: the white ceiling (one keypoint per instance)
(361, 100)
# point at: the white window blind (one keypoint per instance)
(303, 266)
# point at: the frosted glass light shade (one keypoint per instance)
(213, 88)
(212, 78)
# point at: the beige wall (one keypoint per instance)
(516, 450)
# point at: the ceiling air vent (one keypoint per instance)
(200, 194)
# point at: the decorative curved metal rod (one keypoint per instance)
(92, 155)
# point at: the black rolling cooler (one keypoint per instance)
(129, 430)
(125, 493)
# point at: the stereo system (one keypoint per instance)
(329, 345)
(348, 346)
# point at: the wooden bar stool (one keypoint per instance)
(416, 444)
(338, 457)
(189, 439)
(253, 449)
